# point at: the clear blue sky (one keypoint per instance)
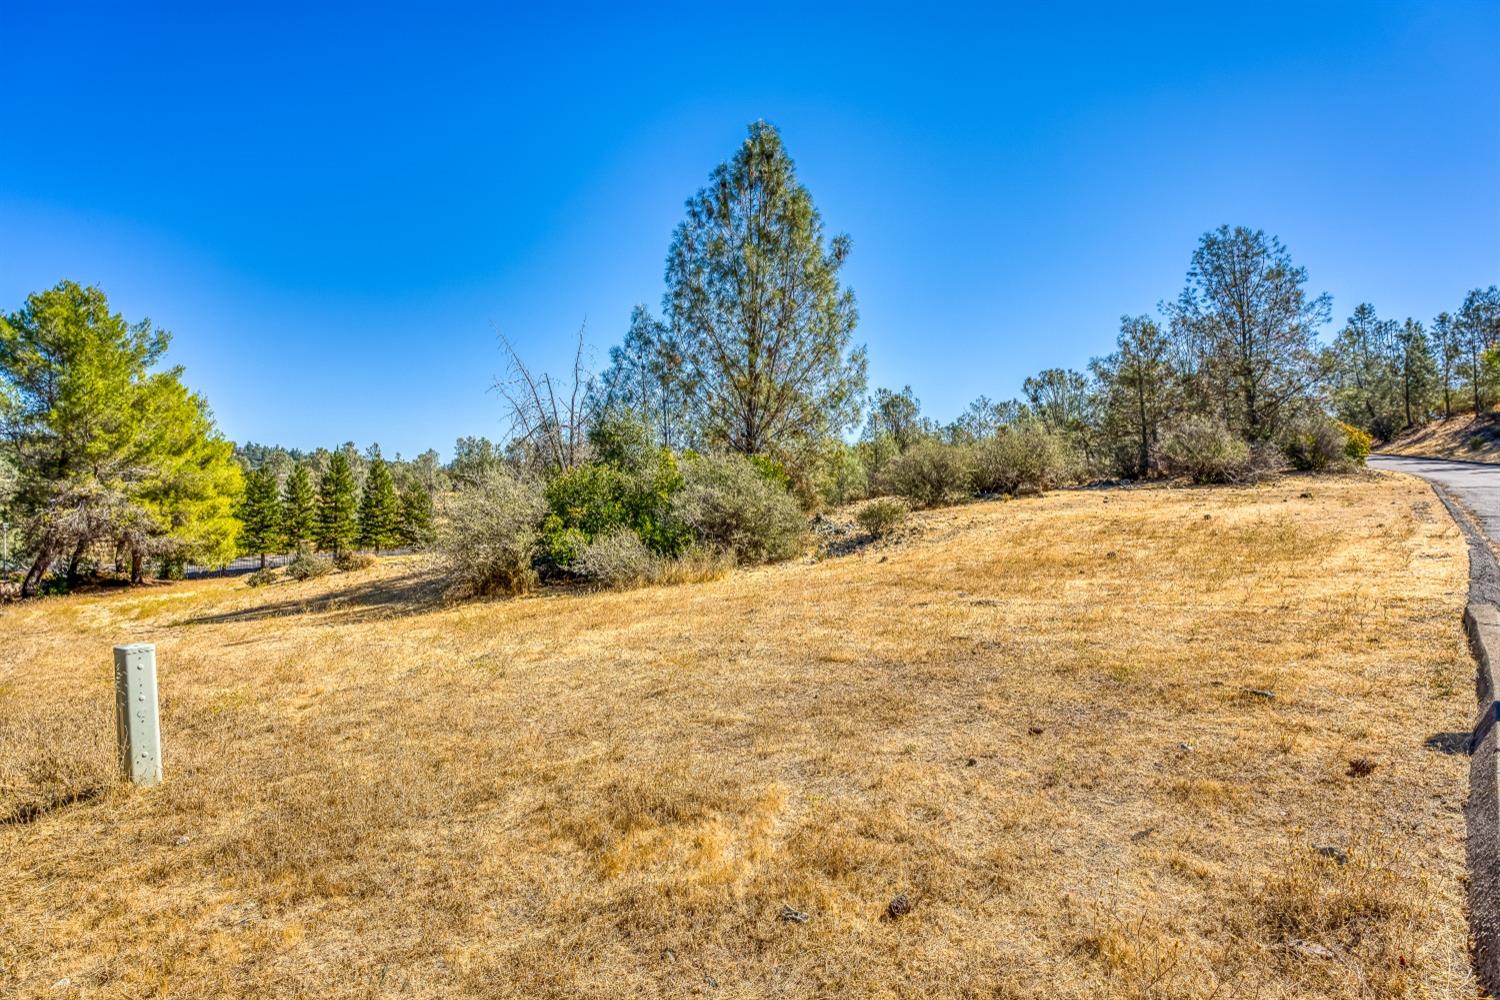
(334, 211)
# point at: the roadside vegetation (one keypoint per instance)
(1104, 743)
(715, 427)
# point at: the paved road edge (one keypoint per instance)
(1482, 811)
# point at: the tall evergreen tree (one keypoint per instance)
(112, 455)
(335, 527)
(1137, 383)
(755, 305)
(1416, 372)
(1247, 328)
(299, 508)
(379, 510)
(415, 526)
(647, 380)
(1447, 351)
(260, 515)
(1479, 330)
(1365, 364)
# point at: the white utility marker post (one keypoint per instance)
(137, 724)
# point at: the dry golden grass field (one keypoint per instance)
(1045, 722)
(1458, 437)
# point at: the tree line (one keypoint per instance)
(334, 502)
(105, 457)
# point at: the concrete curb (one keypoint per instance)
(1482, 811)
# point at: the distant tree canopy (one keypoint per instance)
(113, 459)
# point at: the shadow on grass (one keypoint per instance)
(1449, 743)
(414, 593)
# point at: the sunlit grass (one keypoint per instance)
(1037, 720)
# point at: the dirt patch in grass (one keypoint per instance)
(1096, 744)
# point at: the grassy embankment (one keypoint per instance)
(1458, 437)
(1096, 739)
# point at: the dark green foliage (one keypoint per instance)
(261, 577)
(299, 508)
(1249, 331)
(898, 416)
(335, 526)
(112, 455)
(728, 504)
(379, 509)
(647, 385)
(414, 527)
(591, 500)
(260, 515)
(622, 440)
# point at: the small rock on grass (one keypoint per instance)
(792, 916)
(1308, 949)
(898, 907)
(1336, 854)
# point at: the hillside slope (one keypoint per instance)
(1458, 437)
(1127, 743)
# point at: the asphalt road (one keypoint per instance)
(1474, 484)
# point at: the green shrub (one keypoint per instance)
(775, 472)
(929, 474)
(616, 559)
(490, 538)
(728, 504)
(261, 577)
(560, 543)
(1022, 458)
(346, 562)
(589, 501)
(882, 516)
(1206, 451)
(308, 567)
(840, 476)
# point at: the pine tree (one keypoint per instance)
(756, 309)
(1417, 372)
(415, 527)
(112, 455)
(260, 515)
(1248, 331)
(378, 508)
(299, 508)
(335, 527)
